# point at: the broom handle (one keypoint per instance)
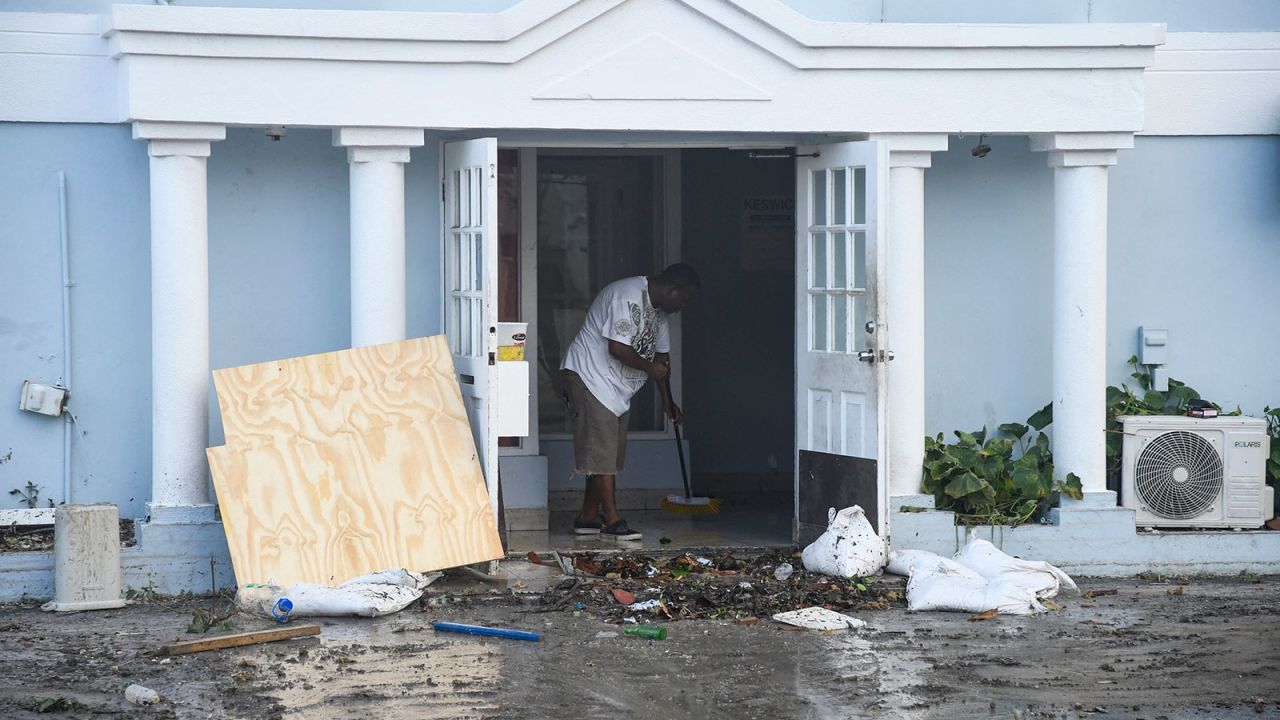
(684, 472)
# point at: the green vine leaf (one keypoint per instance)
(1072, 487)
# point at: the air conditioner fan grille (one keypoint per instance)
(1178, 475)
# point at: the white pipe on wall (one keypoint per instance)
(65, 241)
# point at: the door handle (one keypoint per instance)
(867, 356)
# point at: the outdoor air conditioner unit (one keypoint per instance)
(1195, 472)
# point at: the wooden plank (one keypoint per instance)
(351, 462)
(222, 642)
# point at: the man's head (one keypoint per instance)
(674, 288)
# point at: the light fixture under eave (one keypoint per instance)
(275, 132)
(981, 149)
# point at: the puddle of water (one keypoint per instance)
(374, 671)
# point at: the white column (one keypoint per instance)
(377, 157)
(909, 156)
(179, 313)
(1080, 163)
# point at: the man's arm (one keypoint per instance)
(664, 390)
(628, 356)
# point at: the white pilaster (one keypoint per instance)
(909, 156)
(377, 157)
(179, 313)
(1080, 163)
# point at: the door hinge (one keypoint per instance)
(492, 360)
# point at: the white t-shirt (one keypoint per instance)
(621, 312)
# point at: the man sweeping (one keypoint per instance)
(623, 343)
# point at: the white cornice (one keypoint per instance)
(57, 67)
(511, 36)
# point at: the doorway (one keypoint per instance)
(603, 214)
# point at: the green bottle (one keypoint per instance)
(647, 631)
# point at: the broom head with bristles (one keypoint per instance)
(681, 505)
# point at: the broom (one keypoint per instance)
(687, 505)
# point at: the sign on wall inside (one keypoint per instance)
(767, 232)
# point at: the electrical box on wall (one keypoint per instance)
(1153, 346)
(43, 399)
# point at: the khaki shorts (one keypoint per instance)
(599, 436)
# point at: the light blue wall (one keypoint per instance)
(1180, 15)
(1195, 248)
(279, 283)
(1194, 244)
(107, 194)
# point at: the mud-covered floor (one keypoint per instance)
(1155, 649)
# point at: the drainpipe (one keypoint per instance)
(66, 332)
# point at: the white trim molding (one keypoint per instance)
(730, 66)
(1215, 84)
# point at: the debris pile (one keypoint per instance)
(635, 587)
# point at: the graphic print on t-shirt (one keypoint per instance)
(642, 326)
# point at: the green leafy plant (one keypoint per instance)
(985, 482)
(31, 494)
(1273, 462)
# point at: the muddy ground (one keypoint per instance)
(1157, 648)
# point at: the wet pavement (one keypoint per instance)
(738, 526)
(1158, 648)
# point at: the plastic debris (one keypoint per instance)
(819, 618)
(372, 595)
(783, 572)
(606, 634)
(139, 695)
(646, 605)
(486, 631)
(649, 632)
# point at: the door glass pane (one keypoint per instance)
(839, 196)
(840, 323)
(451, 263)
(477, 197)
(818, 321)
(477, 249)
(508, 236)
(819, 191)
(600, 219)
(840, 259)
(859, 195)
(464, 327)
(861, 340)
(860, 260)
(478, 334)
(818, 260)
(464, 216)
(455, 218)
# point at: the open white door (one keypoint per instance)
(840, 351)
(470, 214)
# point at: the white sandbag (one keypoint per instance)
(991, 562)
(819, 618)
(938, 588)
(848, 548)
(905, 562)
(371, 595)
(1010, 596)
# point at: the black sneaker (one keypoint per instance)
(587, 527)
(620, 531)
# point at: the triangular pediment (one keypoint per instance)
(652, 67)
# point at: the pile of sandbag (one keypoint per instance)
(979, 578)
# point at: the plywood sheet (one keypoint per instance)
(349, 462)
